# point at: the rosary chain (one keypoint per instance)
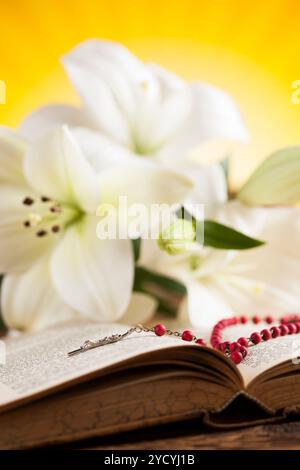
(159, 330)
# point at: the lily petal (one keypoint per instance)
(106, 75)
(93, 276)
(19, 246)
(29, 301)
(264, 280)
(210, 190)
(215, 122)
(243, 218)
(206, 305)
(143, 187)
(12, 151)
(262, 292)
(160, 117)
(216, 115)
(144, 183)
(101, 152)
(47, 118)
(56, 166)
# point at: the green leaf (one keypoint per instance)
(145, 278)
(167, 291)
(136, 244)
(223, 237)
(276, 181)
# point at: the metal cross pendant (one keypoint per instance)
(87, 345)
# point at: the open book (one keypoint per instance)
(47, 397)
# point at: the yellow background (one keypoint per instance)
(251, 49)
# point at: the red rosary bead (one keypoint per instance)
(292, 328)
(243, 341)
(244, 319)
(256, 319)
(236, 356)
(160, 329)
(243, 351)
(255, 338)
(266, 334)
(290, 318)
(234, 346)
(284, 330)
(275, 331)
(187, 335)
(269, 319)
(224, 346)
(201, 342)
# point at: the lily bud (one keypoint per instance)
(178, 238)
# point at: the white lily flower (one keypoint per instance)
(147, 110)
(56, 268)
(219, 283)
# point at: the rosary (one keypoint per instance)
(235, 350)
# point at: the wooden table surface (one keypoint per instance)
(191, 436)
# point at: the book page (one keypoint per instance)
(265, 355)
(36, 362)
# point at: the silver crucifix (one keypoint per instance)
(87, 345)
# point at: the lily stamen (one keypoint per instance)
(41, 233)
(28, 201)
(49, 216)
(55, 209)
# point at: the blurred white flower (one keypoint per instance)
(147, 110)
(56, 268)
(220, 283)
(275, 181)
